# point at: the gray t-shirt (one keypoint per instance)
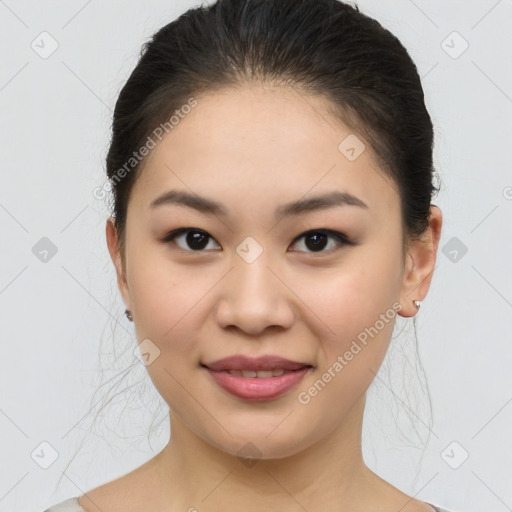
(71, 505)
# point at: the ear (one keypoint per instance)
(115, 255)
(420, 264)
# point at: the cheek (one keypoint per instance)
(167, 300)
(349, 298)
(357, 309)
(354, 316)
(170, 314)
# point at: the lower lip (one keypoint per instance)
(254, 388)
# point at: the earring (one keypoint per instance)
(417, 303)
(128, 314)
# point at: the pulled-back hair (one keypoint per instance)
(321, 47)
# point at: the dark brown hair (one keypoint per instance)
(322, 47)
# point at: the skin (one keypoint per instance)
(302, 304)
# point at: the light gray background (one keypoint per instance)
(57, 316)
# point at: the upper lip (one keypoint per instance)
(267, 362)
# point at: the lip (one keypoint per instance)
(257, 389)
(266, 362)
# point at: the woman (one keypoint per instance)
(271, 163)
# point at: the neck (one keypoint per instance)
(196, 474)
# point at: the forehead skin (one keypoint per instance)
(254, 148)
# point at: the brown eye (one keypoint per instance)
(317, 240)
(195, 239)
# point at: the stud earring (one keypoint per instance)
(128, 314)
(417, 303)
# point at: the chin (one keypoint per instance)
(252, 445)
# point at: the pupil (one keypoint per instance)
(194, 240)
(316, 244)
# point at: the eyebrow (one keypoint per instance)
(211, 207)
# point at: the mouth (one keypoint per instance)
(255, 367)
(264, 377)
(257, 385)
(259, 374)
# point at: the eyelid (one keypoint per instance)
(342, 238)
(169, 237)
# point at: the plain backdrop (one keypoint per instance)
(63, 330)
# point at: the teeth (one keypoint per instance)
(260, 374)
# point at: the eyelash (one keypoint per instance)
(342, 239)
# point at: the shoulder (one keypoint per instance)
(69, 505)
(439, 509)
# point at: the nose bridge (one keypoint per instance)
(253, 285)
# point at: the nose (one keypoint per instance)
(254, 297)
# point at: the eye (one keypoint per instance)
(196, 238)
(317, 240)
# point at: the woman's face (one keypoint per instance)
(254, 283)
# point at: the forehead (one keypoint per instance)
(257, 142)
